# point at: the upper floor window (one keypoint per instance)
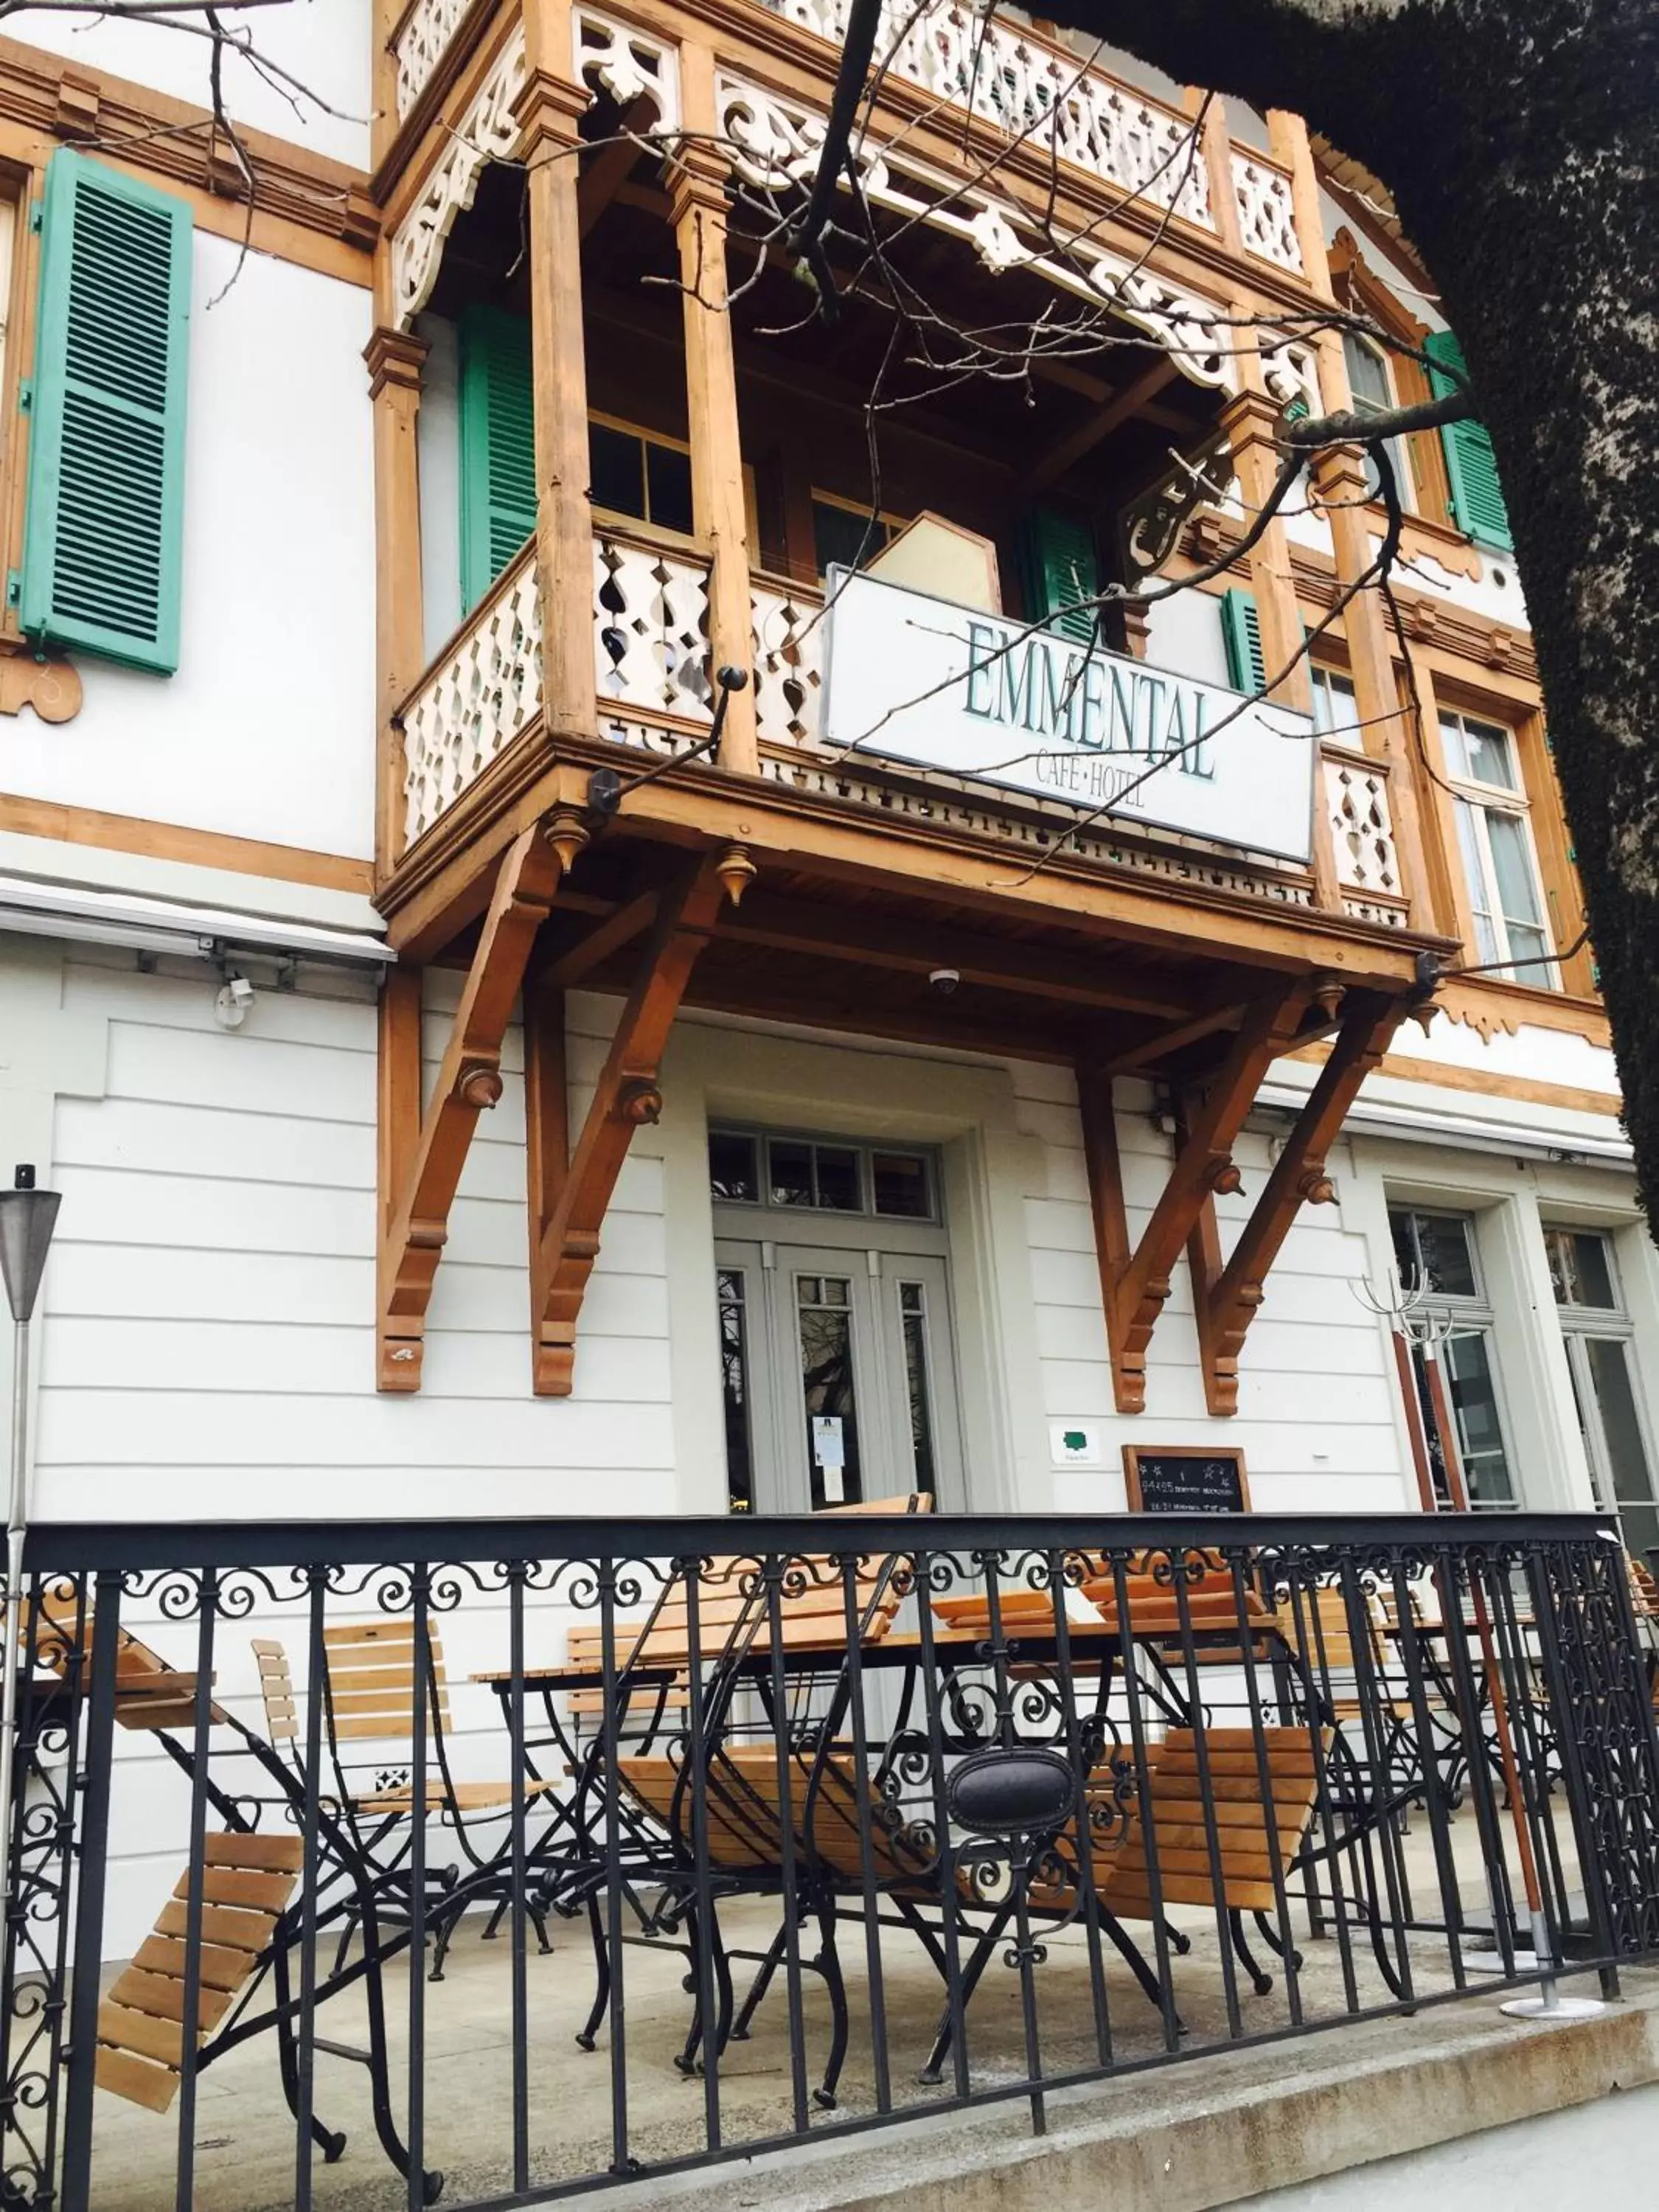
(1598, 1339)
(1435, 1255)
(847, 536)
(639, 473)
(1495, 839)
(1335, 711)
(1371, 382)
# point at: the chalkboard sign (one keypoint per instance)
(1185, 1481)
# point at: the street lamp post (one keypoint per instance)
(27, 1218)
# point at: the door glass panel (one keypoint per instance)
(735, 1390)
(823, 1311)
(913, 1320)
(1615, 1401)
(1432, 1252)
(1474, 1409)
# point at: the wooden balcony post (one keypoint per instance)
(1287, 142)
(383, 77)
(1251, 418)
(1217, 151)
(720, 509)
(395, 360)
(548, 109)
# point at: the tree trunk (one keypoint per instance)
(1520, 143)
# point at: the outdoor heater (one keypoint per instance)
(27, 1218)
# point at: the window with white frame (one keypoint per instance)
(1335, 710)
(1439, 1267)
(1371, 383)
(1494, 837)
(1606, 1390)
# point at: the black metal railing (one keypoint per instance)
(545, 1852)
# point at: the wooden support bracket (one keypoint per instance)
(1228, 1298)
(421, 1157)
(569, 1201)
(1134, 1283)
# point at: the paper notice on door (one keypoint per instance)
(829, 1451)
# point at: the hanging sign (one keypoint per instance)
(909, 678)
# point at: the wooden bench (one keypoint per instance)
(248, 1879)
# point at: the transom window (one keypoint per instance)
(809, 1175)
(1434, 1253)
(1605, 1386)
(1494, 836)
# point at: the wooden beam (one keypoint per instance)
(1135, 1285)
(547, 1118)
(620, 928)
(1173, 1039)
(909, 946)
(428, 1170)
(626, 1095)
(605, 170)
(1233, 1294)
(1066, 452)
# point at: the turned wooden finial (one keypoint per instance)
(1328, 994)
(737, 871)
(1315, 1186)
(478, 1083)
(1224, 1175)
(566, 833)
(639, 1101)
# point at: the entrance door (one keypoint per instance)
(838, 1367)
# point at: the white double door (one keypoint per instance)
(839, 1377)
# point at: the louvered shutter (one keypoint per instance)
(103, 538)
(498, 446)
(1240, 633)
(1477, 494)
(1057, 565)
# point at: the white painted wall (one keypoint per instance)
(438, 454)
(267, 729)
(326, 45)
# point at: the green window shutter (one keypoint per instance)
(1058, 568)
(1240, 633)
(103, 539)
(1477, 495)
(498, 446)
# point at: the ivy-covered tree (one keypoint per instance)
(1520, 145)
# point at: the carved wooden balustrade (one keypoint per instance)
(1353, 789)
(477, 695)
(1039, 94)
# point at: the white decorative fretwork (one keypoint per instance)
(419, 47)
(1267, 217)
(628, 64)
(650, 627)
(1045, 100)
(774, 143)
(487, 132)
(1362, 828)
(788, 663)
(477, 699)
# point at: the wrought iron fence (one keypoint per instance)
(737, 1833)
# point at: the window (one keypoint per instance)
(637, 473)
(1372, 386)
(1335, 713)
(1434, 1253)
(807, 1174)
(104, 535)
(1598, 1337)
(847, 536)
(1495, 839)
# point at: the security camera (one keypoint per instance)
(235, 997)
(944, 980)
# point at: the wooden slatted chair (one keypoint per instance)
(148, 1693)
(248, 1879)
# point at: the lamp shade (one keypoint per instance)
(27, 1218)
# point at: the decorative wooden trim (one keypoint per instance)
(1487, 1004)
(303, 199)
(1134, 1453)
(1228, 1298)
(423, 1168)
(626, 1096)
(1525, 1089)
(1135, 1285)
(168, 841)
(547, 1122)
(52, 687)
